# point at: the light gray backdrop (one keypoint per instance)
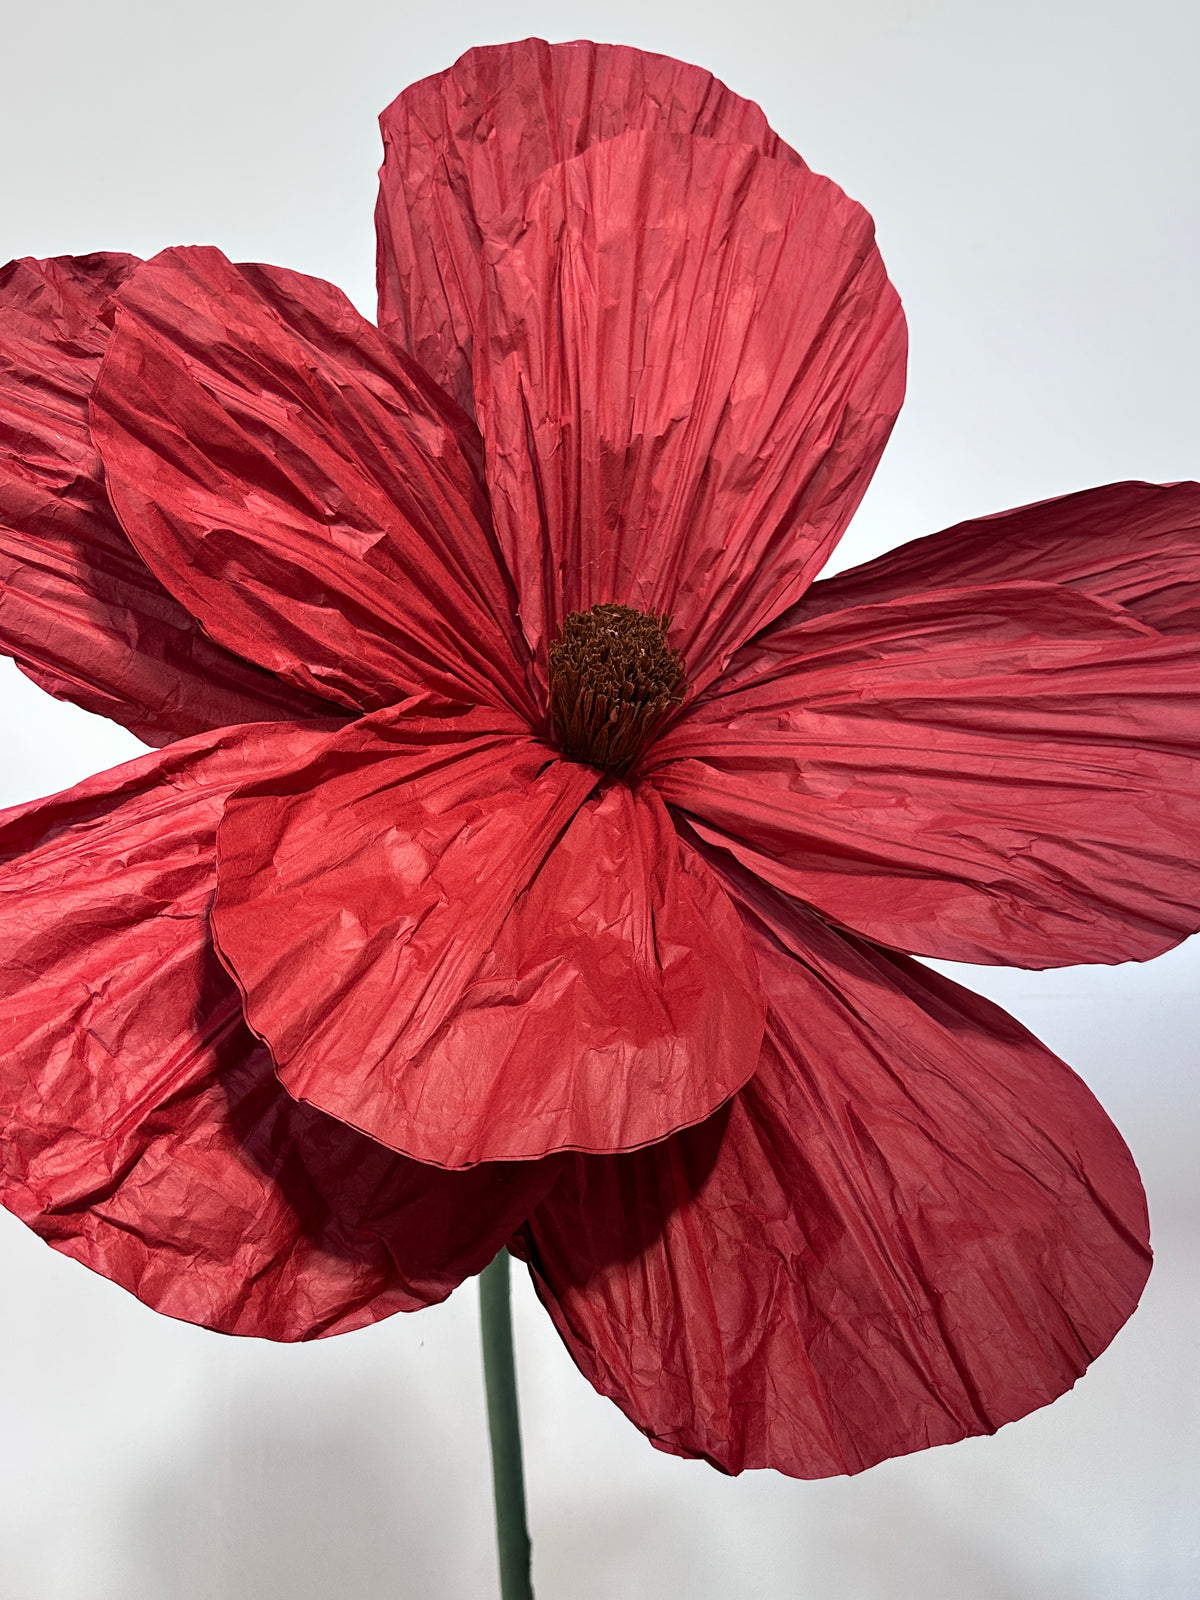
(1032, 168)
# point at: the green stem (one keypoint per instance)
(504, 1426)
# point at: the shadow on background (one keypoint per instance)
(884, 1545)
(286, 1503)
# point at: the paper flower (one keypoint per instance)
(533, 841)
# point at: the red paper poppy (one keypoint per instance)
(404, 945)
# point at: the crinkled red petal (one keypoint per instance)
(454, 941)
(914, 1224)
(80, 611)
(460, 147)
(1006, 774)
(685, 425)
(300, 488)
(147, 1134)
(1137, 544)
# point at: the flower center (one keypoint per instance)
(613, 678)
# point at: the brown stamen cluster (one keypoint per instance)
(613, 678)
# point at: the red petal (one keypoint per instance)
(692, 360)
(914, 1224)
(1002, 775)
(298, 488)
(450, 942)
(147, 1134)
(460, 148)
(1137, 544)
(79, 609)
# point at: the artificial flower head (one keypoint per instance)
(535, 853)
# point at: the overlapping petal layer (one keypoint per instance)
(1136, 544)
(914, 1224)
(1005, 774)
(301, 488)
(147, 1135)
(462, 146)
(664, 428)
(452, 944)
(80, 611)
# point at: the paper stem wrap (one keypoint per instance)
(504, 1427)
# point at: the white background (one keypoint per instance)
(1032, 169)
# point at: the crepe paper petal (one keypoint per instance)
(913, 1225)
(299, 489)
(460, 147)
(665, 428)
(453, 944)
(147, 1134)
(80, 611)
(1003, 774)
(1137, 544)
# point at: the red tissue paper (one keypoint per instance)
(375, 966)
